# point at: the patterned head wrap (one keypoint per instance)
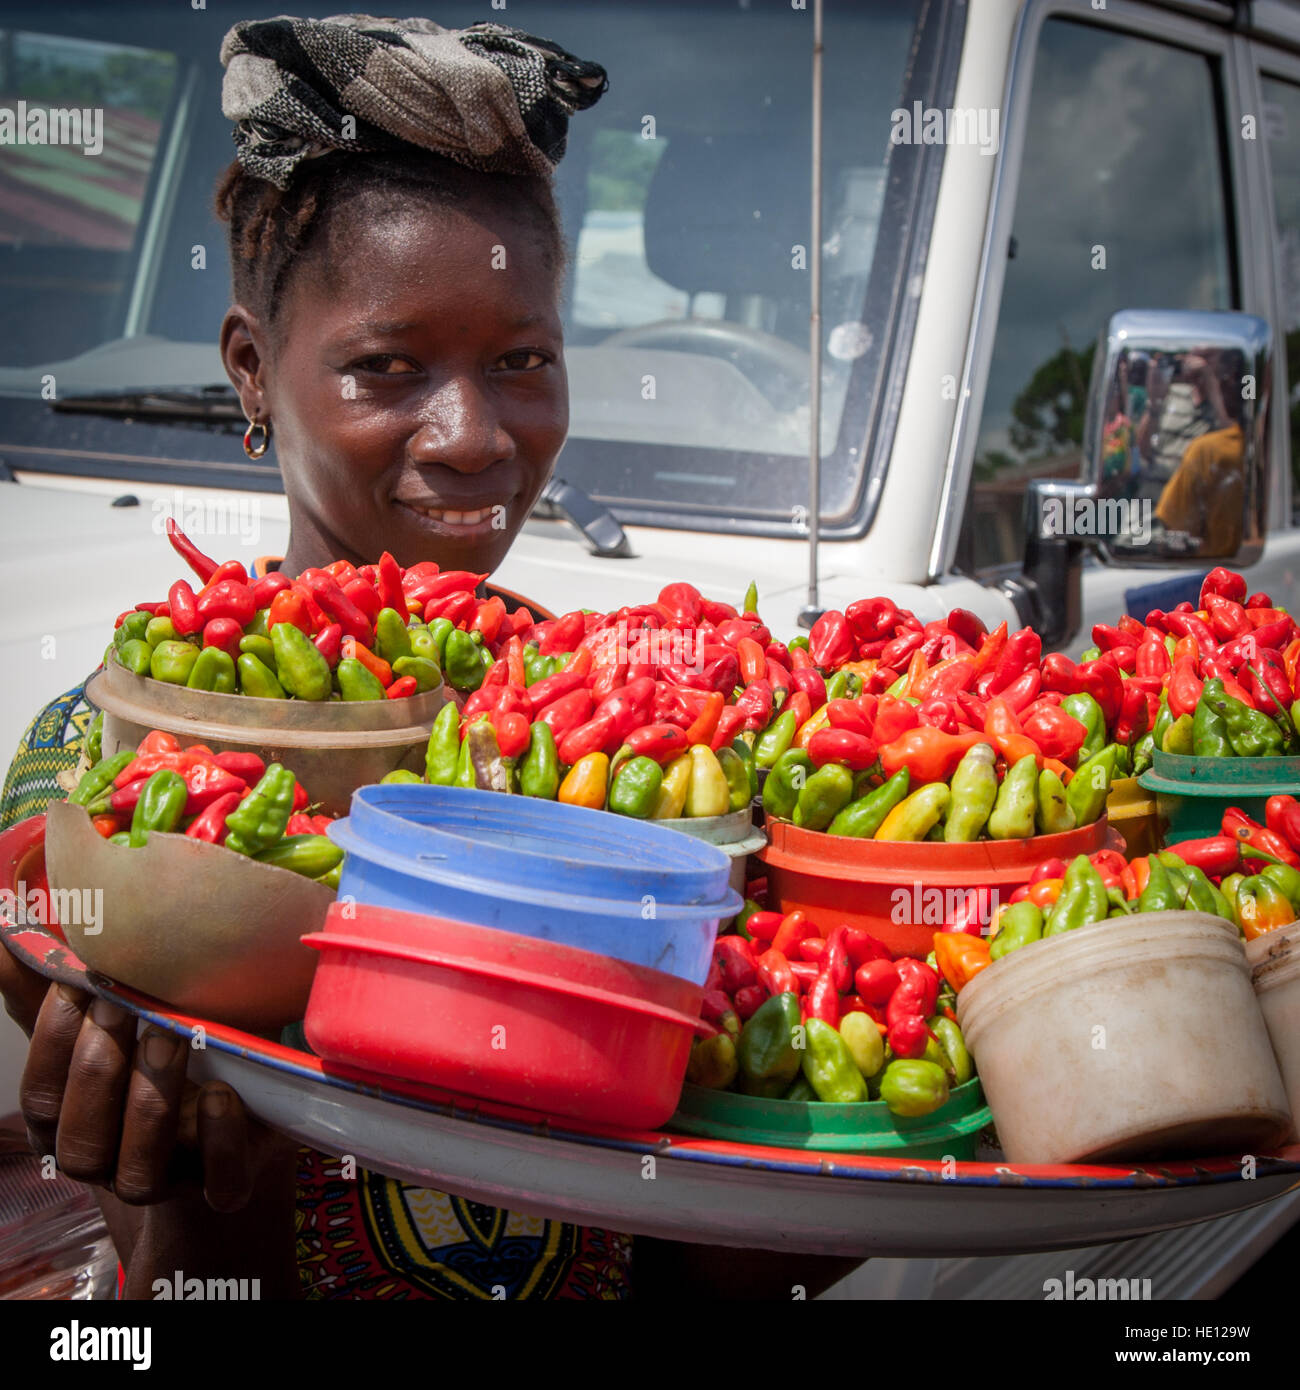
(489, 97)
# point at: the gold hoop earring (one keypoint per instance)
(256, 453)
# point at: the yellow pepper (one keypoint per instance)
(913, 817)
(820, 720)
(708, 792)
(585, 783)
(672, 790)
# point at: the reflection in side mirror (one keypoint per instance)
(1175, 459)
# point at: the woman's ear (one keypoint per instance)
(243, 351)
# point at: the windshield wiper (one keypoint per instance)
(598, 525)
(210, 404)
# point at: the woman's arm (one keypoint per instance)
(666, 1270)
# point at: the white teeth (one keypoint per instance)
(453, 518)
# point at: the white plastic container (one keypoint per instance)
(1136, 1037)
(1275, 958)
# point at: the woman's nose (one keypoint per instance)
(461, 429)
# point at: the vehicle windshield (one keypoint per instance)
(686, 198)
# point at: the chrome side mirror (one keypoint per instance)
(1175, 466)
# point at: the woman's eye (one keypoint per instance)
(526, 360)
(385, 365)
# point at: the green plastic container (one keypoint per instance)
(1193, 793)
(870, 1127)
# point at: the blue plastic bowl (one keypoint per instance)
(584, 878)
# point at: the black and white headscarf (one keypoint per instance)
(489, 97)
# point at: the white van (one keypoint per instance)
(1004, 185)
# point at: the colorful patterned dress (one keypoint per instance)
(371, 1236)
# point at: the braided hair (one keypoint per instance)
(273, 232)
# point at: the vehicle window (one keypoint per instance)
(1122, 204)
(72, 187)
(1282, 136)
(685, 193)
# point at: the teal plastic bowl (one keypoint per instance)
(869, 1127)
(1193, 793)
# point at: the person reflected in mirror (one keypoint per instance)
(1178, 410)
(1205, 496)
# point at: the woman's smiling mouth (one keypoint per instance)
(479, 519)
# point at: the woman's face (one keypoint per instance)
(418, 393)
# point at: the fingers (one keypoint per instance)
(224, 1142)
(149, 1123)
(23, 989)
(54, 1039)
(90, 1122)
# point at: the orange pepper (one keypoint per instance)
(809, 727)
(752, 659)
(800, 705)
(586, 782)
(1045, 892)
(1128, 882)
(701, 731)
(936, 672)
(1002, 730)
(1185, 646)
(916, 668)
(1061, 769)
(1291, 662)
(107, 825)
(863, 668)
(514, 655)
(960, 957)
(991, 648)
(376, 665)
(1141, 871)
(929, 754)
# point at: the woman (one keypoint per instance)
(397, 260)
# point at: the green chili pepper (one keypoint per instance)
(1083, 898)
(1287, 879)
(737, 775)
(539, 773)
(133, 629)
(974, 793)
(1164, 720)
(423, 643)
(309, 855)
(161, 806)
(100, 777)
(123, 837)
(464, 776)
(333, 878)
(1202, 895)
(844, 685)
(392, 640)
(426, 672)
(712, 1062)
(1143, 753)
(1090, 655)
(635, 788)
(1017, 802)
(751, 599)
(1251, 733)
(136, 656)
(825, 794)
(401, 776)
(1090, 785)
(767, 1053)
(173, 662)
(1054, 815)
(259, 820)
(1209, 728)
(861, 818)
(957, 1064)
(260, 647)
(828, 1065)
(256, 626)
(257, 679)
(488, 767)
(745, 752)
(464, 666)
(1160, 894)
(1180, 736)
(215, 671)
(443, 751)
(1089, 713)
(160, 630)
(784, 783)
(303, 671)
(1020, 924)
(357, 681)
(95, 739)
(801, 642)
(1119, 904)
(776, 739)
(911, 1086)
(800, 1091)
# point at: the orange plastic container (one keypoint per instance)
(901, 892)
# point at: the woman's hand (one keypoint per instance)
(117, 1112)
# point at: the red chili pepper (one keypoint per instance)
(210, 823)
(848, 714)
(586, 738)
(567, 713)
(1105, 684)
(823, 999)
(299, 824)
(564, 636)
(775, 973)
(182, 607)
(836, 962)
(876, 981)
(683, 601)
(749, 1000)
(1023, 650)
(1184, 687)
(894, 717)
(795, 927)
(898, 652)
(831, 642)
(401, 688)
(855, 751)
(329, 642)
(290, 607)
(730, 722)
(1061, 674)
(863, 947)
(701, 730)
(488, 617)
(225, 634)
(908, 1035)
(1217, 855)
(1049, 868)
(389, 584)
(1253, 836)
(1227, 618)
(245, 765)
(364, 595)
(1055, 732)
(763, 926)
(662, 742)
(871, 618)
(1132, 721)
(1020, 694)
(973, 913)
(1189, 625)
(201, 564)
(1268, 686)
(1223, 582)
(1153, 656)
(266, 588)
(629, 707)
(226, 598)
(425, 587)
(338, 606)
(812, 948)
(737, 962)
(800, 706)
(1282, 815)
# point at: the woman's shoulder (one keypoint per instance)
(51, 745)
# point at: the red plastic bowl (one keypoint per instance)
(900, 891)
(503, 1017)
